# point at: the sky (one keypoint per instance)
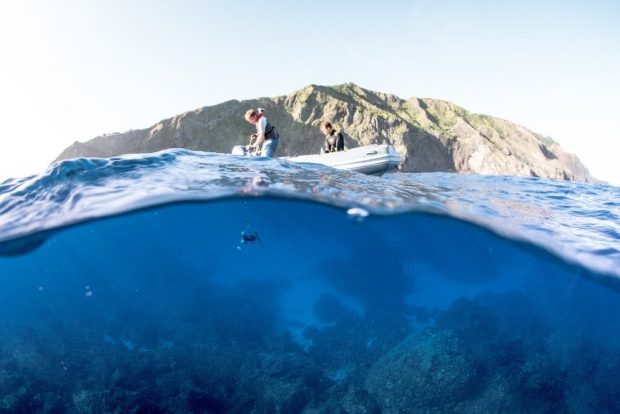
(71, 70)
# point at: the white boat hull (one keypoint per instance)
(373, 159)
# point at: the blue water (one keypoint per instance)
(126, 286)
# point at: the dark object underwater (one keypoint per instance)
(22, 245)
(250, 236)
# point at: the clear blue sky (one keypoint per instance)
(72, 70)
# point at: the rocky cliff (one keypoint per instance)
(431, 135)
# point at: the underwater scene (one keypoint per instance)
(189, 282)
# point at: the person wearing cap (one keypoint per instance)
(267, 138)
(334, 141)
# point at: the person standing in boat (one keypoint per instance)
(334, 141)
(267, 137)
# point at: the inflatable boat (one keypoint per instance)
(373, 159)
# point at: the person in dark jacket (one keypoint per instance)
(334, 141)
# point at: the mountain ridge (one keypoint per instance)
(430, 134)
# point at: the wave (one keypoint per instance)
(576, 222)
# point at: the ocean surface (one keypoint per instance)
(195, 282)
